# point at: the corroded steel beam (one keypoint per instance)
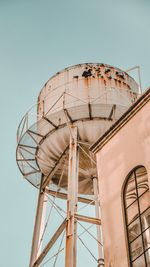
(68, 115)
(88, 219)
(64, 196)
(55, 126)
(71, 227)
(37, 227)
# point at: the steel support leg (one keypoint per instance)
(99, 233)
(71, 228)
(38, 226)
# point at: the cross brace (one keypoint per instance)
(50, 244)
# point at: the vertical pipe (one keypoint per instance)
(71, 228)
(42, 228)
(97, 213)
(140, 83)
(37, 233)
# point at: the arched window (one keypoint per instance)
(137, 215)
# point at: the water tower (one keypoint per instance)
(74, 108)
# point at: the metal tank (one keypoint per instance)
(89, 96)
(74, 108)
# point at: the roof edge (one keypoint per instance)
(101, 141)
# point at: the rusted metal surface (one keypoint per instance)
(64, 196)
(87, 219)
(90, 96)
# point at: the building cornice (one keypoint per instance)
(127, 116)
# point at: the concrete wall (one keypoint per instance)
(129, 148)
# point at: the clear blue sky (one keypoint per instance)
(37, 39)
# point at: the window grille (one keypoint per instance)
(137, 216)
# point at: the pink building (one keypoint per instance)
(123, 162)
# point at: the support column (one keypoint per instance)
(38, 226)
(71, 228)
(99, 232)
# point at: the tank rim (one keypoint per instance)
(82, 64)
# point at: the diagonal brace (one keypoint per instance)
(50, 244)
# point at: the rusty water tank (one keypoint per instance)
(90, 96)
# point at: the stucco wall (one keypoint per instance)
(130, 147)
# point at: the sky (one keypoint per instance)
(37, 39)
